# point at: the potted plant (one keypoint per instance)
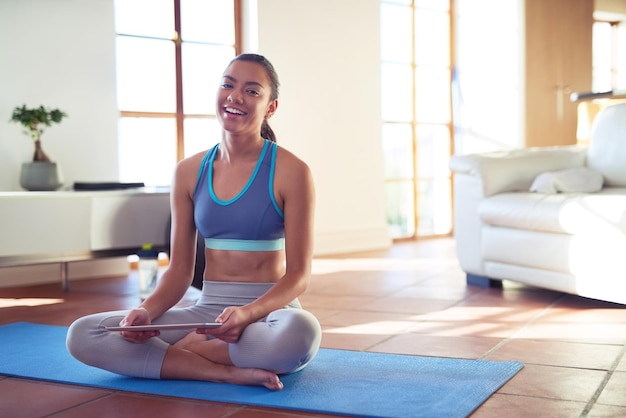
(41, 173)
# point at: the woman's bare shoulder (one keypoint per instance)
(191, 163)
(186, 171)
(292, 173)
(284, 157)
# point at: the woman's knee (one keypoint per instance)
(287, 341)
(76, 338)
(84, 336)
(296, 324)
(300, 339)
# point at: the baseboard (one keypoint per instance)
(342, 242)
(51, 273)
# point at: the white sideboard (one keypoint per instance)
(65, 226)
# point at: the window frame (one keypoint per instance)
(416, 179)
(614, 48)
(179, 115)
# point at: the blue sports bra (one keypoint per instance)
(250, 221)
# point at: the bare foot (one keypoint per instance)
(187, 365)
(257, 377)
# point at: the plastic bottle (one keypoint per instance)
(148, 269)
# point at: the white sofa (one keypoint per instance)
(569, 236)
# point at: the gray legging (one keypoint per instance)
(283, 342)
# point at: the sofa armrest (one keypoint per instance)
(509, 171)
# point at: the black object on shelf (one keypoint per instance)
(574, 97)
(106, 185)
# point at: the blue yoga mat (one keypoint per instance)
(335, 382)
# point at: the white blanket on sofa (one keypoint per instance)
(571, 180)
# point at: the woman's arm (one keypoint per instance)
(178, 276)
(294, 183)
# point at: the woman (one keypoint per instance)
(252, 202)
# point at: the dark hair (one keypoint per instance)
(266, 131)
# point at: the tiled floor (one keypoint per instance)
(411, 299)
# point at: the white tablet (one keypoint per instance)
(165, 326)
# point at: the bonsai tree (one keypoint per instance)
(34, 122)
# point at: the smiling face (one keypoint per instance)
(244, 98)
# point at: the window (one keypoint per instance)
(168, 71)
(609, 66)
(417, 116)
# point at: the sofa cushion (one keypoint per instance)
(515, 170)
(595, 213)
(607, 147)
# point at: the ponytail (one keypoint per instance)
(267, 132)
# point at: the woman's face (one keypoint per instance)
(243, 99)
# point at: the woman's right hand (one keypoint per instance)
(138, 316)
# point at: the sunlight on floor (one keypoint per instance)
(326, 266)
(483, 313)
(440, 329)
(372, 328)
(455, 321)
(15, 302)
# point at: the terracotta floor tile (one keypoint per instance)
(515, 406)
(607, 411)
(556, 353)
(28, 399)
(427, 345)
(320, 313)
(596, 312)
(605, 333)
(439, 290)
(484, 313)
(355, 342)
(375, 322)
(274, 413)
(475, 328)
(365, 284)
(138, 406)
(614, 392)
(577, 302)
(335, 302)
(362, 288)
(533, 299)
(555, 383)
(621, 367)
(406, 305)
(409, 299)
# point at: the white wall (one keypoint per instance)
(327, 55)
(60, 54)
(489, 114)
(611, 7)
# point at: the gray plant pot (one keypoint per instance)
(41, 176)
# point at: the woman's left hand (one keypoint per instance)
(233, 319)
